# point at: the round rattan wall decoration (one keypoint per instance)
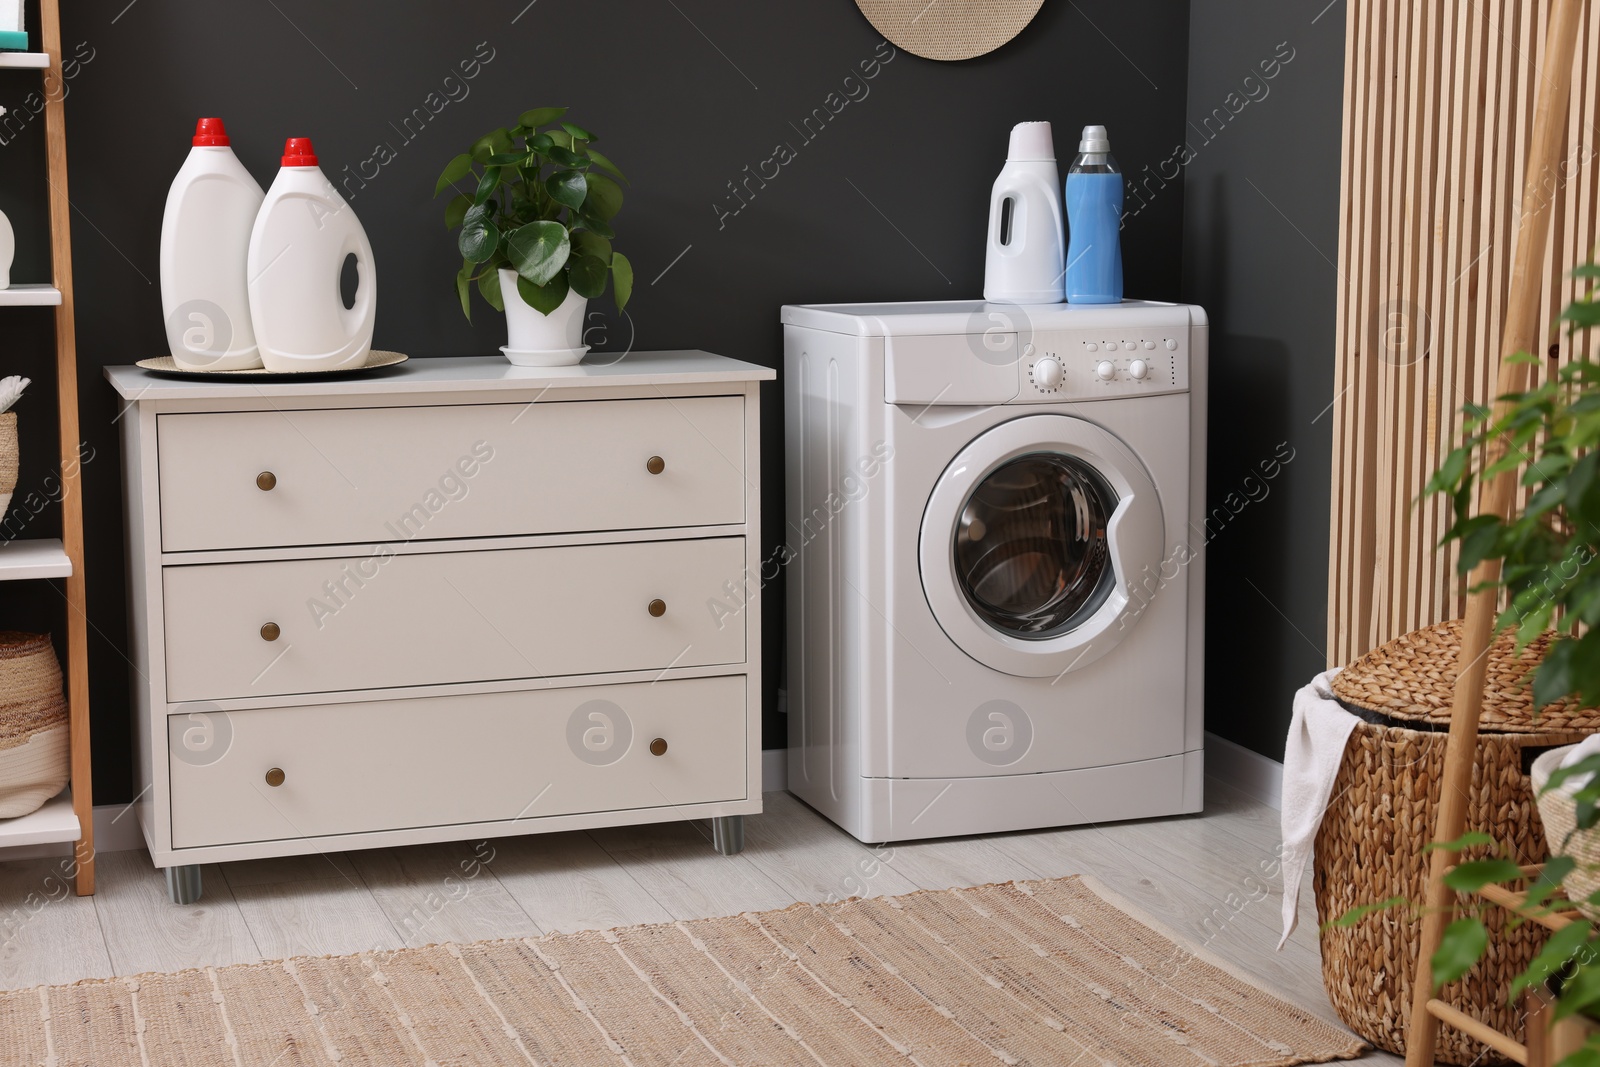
(949, 29)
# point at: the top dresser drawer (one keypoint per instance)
(332, 476)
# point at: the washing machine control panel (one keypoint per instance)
(1100, 364)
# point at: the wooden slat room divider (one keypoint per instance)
(1438, 101)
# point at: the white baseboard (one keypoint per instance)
(774, 770)
(116, 829)
(1245, 769)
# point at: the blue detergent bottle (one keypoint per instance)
(1094, 222)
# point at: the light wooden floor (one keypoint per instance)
(1202, 875)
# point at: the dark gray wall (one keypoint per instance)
(1261, 239)
(887, 203)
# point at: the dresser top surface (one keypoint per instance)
(450, 374)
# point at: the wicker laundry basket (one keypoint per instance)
(33, 724)
(1381, 817)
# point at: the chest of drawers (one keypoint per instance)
(457, 600)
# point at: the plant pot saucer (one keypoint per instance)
(544, 357)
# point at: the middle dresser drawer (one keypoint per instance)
(240, 630)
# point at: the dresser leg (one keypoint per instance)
(183, 883)
(727, 834)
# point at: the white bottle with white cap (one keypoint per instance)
(1027, 236)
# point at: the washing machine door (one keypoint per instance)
(1032, 541)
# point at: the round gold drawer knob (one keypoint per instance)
(266, 481)
(270, 631)
(275, 777)
(657, 608)
(658, 747)
(655, 465)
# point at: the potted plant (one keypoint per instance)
(535, 232)
(1551, 579)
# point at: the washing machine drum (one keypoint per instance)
(1033, 541)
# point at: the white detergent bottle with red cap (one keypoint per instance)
(205, 235)
(303, 235)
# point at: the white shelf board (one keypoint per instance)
(36, 60)
(31, 294)
(55, 822)
(41, 557)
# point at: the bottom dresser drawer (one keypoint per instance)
(274, 773)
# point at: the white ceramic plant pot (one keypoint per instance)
(535, 340)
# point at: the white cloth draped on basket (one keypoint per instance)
(1318, 733)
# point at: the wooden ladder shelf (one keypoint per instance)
(1496, 496)
(59, 820)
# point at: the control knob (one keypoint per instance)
(1139, 368)
(1106, 370)
(1047, 373)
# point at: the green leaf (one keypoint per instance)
(1562, 946)
(589, 243)
(1355, 915)
(1463, 945)
(604, 162)
(541, 116)
(1473, 875)
(621, 279)
(1478, 541)
(539, 250)
(492, 144)
(1556, 868)
(567, 187)
(487, 184)
(509, 159)
(1449, 472)
(454, 171)
(578, 132)
(605, 197)
(1555, 678)
(489, 289)
(479, 236)
(587, 276)
(456, 210)
(596, 225)
(1582, 316)
(543, 298)
(1580, 991)
(1587, 1056)
(1470, 839)
(463, 288)
(567, 157)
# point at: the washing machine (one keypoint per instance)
(995, 563)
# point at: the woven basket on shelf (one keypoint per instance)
(8, 458)
(1381, 817)
(33, 724)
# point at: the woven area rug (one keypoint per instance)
(1044, 972)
